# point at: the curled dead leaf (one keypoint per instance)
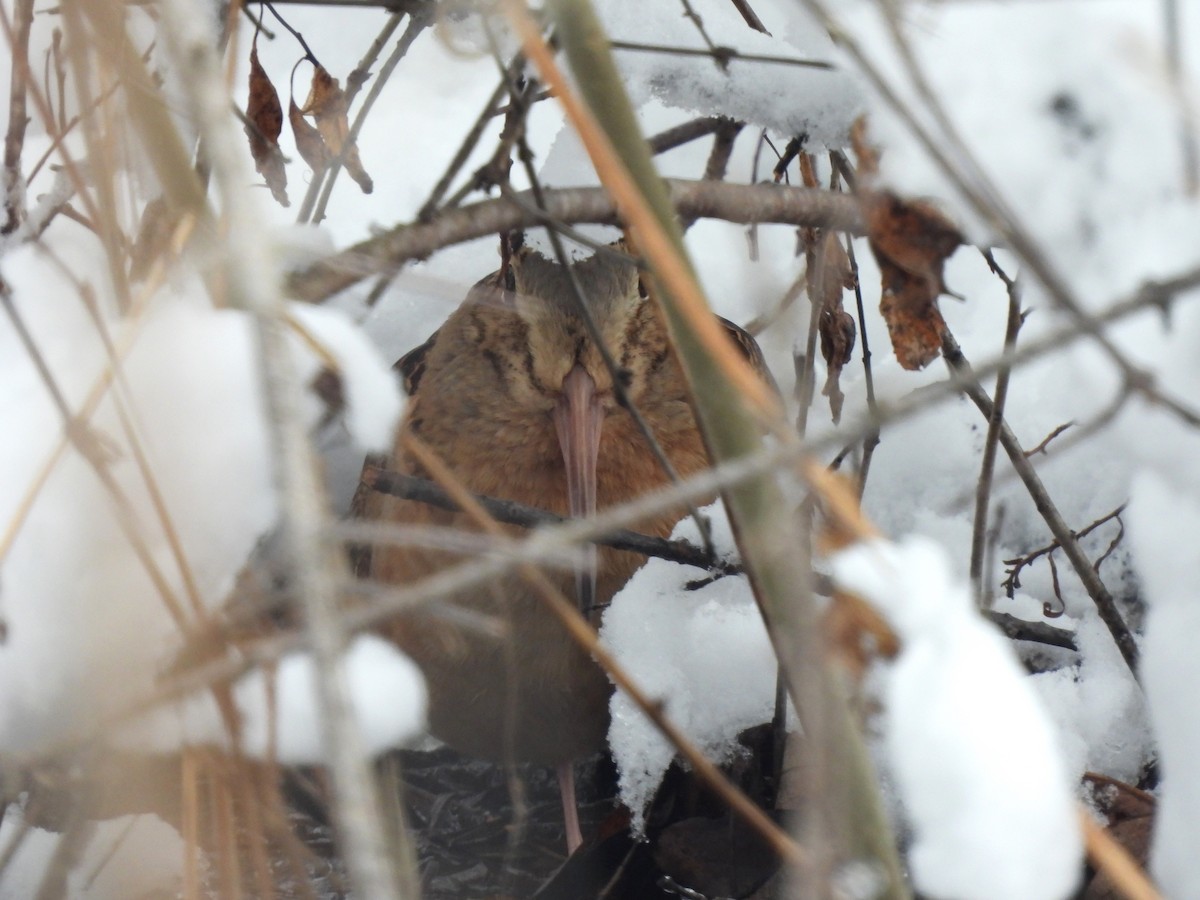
(309, 143)
(264, 117)
(838, 333)
(328, 104)
(829, 274)
(911, 241)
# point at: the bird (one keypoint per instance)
(514, 395)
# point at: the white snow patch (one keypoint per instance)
(1164, 524)
(133, 856)
(790, 99)
(386, 689)
(374, 401)
(975, 757)
(80, 606)
(88, 625)
(705, 654)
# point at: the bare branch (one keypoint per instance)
(410, 487)
(702, 199)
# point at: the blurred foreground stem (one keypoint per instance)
(844, 826)
(252, 275)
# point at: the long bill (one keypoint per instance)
(578, 418)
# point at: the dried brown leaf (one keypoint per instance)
(1130, 812)
(264, 115)
(309, 143)
(829, 274)
(328, 104)
(911, 240)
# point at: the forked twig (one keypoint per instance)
(1016, 564)
(1045, 442)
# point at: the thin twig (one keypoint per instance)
(694, 17)
(791, 150)
(411, 487)
(983, 487)
(718, 157)
(684, 133)
(751, 17)
(1045, 442)
(1016, 564)
(871, 439)
(308, 54)
(722, 149)
(723, 54)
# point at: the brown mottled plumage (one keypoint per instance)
(486, 391)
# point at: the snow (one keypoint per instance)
(133, 856)
(703, 653)
(974, 755)
(386, 688)
(188, 385)
(1163, 526)
(762, 94)
(94, 610)
(372, 390)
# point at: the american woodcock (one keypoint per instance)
(514, 396)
